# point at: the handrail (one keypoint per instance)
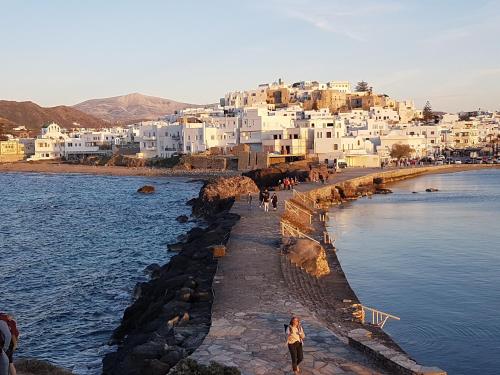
(295, 232)
(294, 208)
(304, 197)
(379, 318)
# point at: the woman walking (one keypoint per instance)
(295, 336)
(274, 201)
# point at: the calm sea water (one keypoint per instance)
(433, 259)
(72, 248)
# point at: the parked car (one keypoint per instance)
(342, 164)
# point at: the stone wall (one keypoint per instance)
(204, 162)
(388, 358)
(354, 187)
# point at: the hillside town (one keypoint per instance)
(279, 122)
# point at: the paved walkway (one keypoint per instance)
(252, 304)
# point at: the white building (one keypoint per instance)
(340, 86)
(257, 121)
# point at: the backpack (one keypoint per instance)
(11, 323)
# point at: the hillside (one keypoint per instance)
(130, 108)
(33, 116)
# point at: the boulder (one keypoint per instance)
(383, 191)
(185, 294)
(157, 367)
(308, 255)
(153, 270)
(146, 189)
(175, 246)
(431, 190)
(182, 218)
(149, 350)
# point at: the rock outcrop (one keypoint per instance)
(28, 366)
(218, 195)
(191, 367)
(267, 177)
(182, 218)
(309, 255)
(146, 189)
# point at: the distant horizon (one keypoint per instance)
(195, 52)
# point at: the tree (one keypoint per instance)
(400, 151)
(362, 86)
(427, 113)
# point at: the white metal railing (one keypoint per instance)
(294, 232)
(304, 198)
(379, 318)
(297, 210)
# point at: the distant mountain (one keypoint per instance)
(130, 108)
(33, 116)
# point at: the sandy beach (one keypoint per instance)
(58, 167)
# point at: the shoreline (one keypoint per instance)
(64, 168)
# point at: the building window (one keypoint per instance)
(335, 146)
(328, 134)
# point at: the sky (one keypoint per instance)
(57, 52)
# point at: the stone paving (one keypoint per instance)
(252, 304)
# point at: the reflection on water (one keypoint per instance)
(433, 259)
(73, 247)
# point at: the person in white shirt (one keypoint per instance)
(295, 338)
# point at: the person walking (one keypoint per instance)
(249, 200)
(274, 201)
(295, 338)
(266, 201)
(261, 198)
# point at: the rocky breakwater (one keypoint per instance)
(302, 171)
(171, 314)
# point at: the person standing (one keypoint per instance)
(274, 201)
(295, 338)
(266, 201)
(261, 198)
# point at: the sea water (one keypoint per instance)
(432, 259)
(72, 247)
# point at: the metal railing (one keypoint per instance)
(294, 231)
(327, 238)
(379, 318)
(297, 210)
(304, 198)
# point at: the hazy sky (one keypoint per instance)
(67, 51)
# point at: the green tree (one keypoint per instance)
(362, 86)
(400, 151)
(427, 113)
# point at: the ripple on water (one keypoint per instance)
(77, 245)
(431, 259)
